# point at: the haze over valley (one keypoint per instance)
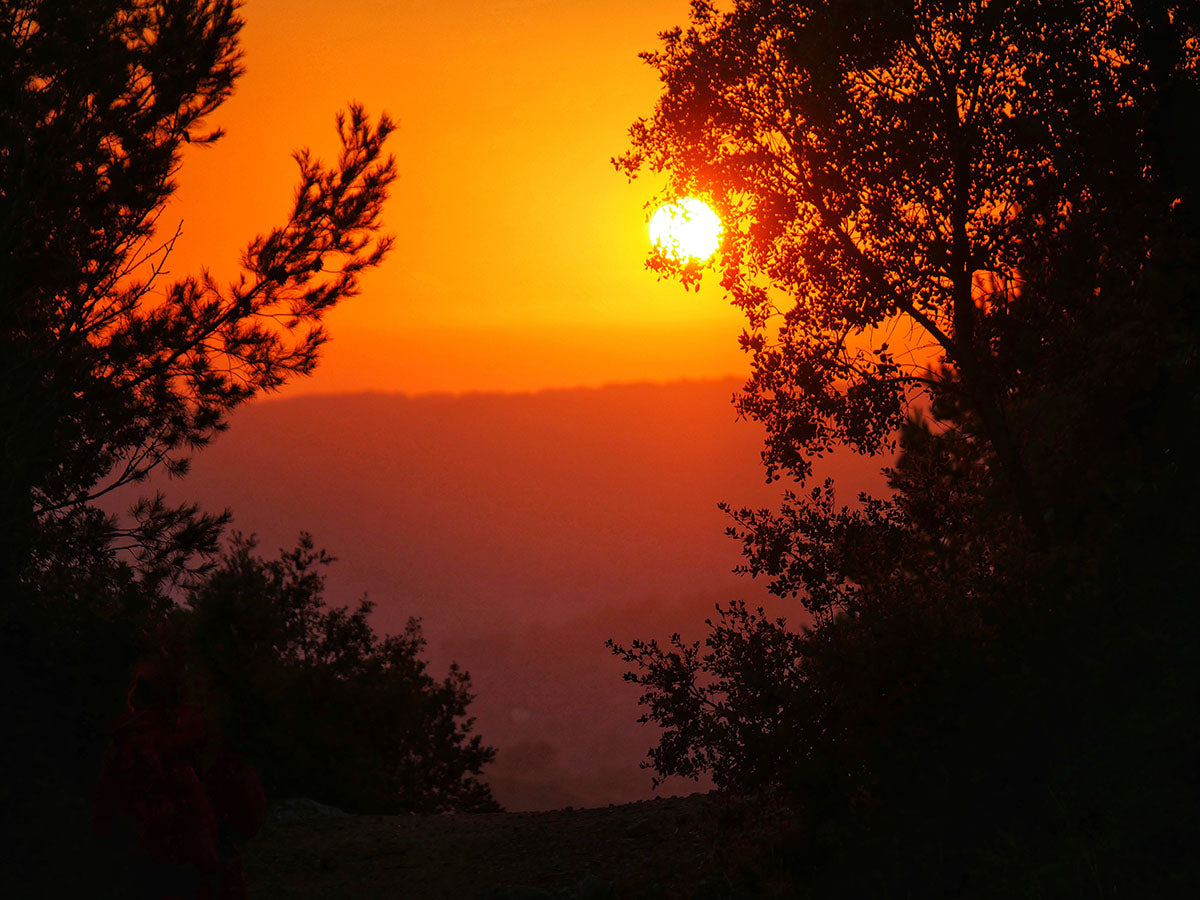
(524, 530)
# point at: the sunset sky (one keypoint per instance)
(519, 259)
(519, 266)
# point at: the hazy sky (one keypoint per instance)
(520, 250)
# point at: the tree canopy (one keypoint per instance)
(969, 231)
(107, 370)
(891, 174)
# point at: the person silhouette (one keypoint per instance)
(172, 802)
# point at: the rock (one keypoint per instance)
(642, 827)
(592, 888)
(300, 809)
(517, 892)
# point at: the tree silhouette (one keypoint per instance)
(109, 370)
(968, 229)
(889, 173)
(320, 704)
(106, 371)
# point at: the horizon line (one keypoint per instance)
(280, 396)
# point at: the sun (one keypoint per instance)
(685, 230)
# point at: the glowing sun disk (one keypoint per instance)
(685, 230)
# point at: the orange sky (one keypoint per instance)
(519, 256)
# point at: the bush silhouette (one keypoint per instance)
(324, 707)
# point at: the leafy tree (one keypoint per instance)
(890, 173)
(323, 706)
(969, 229)
(110, 370)
(107, 372)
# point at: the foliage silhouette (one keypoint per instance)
(110, 370)
(968, 228)
(888, 174)
(324, 707)
(106, 372)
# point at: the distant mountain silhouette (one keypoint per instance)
(524, 530)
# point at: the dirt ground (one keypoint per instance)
(663, 848)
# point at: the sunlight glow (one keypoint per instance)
(685, 230)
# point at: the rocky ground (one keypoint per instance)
(705, 845)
